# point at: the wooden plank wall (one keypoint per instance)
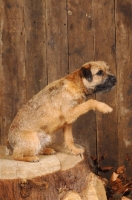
(124, 75)
(105, 43)
(41, 41)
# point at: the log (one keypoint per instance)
(55, 177)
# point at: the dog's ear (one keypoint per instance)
(86, 73)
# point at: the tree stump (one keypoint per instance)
(56, 177)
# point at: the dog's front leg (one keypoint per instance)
(69, 141)
(83, 108)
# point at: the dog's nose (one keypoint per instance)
(113, 79)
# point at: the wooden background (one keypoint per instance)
(41, 41)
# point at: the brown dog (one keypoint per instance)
(56, 107)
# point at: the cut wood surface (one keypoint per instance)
(11, 169)
(55, 177)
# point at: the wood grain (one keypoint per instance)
(81, 50)
(57, 47)
(13, 63)
(35, 46)
(1, 70)
(105, 42)
(124, 74)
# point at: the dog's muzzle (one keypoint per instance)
(111, 81)
(107, 85)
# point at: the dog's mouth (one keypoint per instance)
(107, 85)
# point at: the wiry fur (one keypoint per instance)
(56, 107)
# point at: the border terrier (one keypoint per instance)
(56, 107)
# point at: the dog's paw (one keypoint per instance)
(104, 108)
(48, 151)
(33, 159)
(108, 109)
(77, 151)
(30, 159)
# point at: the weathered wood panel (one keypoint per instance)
(57, 46)
(1, 70)
(107, 138)
(35, 46)
(124, 74)
(81, 50)
(13, 62)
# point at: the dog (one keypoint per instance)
(56, 107)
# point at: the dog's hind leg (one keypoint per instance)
(27, 146)
(18, 155)
(69, 141)
(45, 140)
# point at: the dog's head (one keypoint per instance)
(96, 77)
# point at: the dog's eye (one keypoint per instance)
(100, 72)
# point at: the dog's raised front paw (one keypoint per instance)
(108, 109)
(104, 108)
